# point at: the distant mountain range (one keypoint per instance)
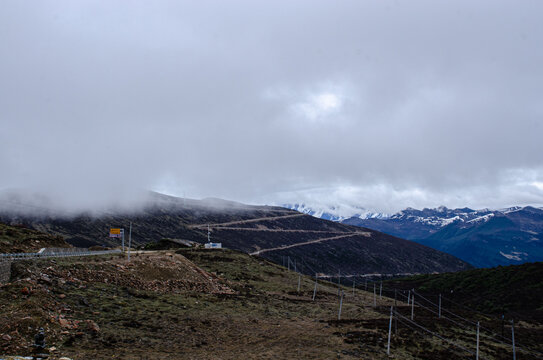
(336, 213)
(314, 245)
(484, 238)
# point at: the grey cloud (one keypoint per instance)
(437, 101)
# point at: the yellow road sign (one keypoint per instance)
(115, 231)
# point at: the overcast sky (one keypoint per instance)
(378, 104)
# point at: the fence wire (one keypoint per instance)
(407, 321)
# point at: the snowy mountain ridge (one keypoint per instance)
(437, 217)
(336, 213)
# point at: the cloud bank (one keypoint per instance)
(382, 104)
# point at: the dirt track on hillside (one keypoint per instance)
(204, 226)
(282, 230)
(258, 252)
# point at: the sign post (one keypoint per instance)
(117, 233)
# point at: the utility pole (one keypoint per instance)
(381, 290)
(129, 240)
(315, 289)
(439, 312)
(299, 281)
(208, 234)
(374, 296)
(408, 297)
(122, 237)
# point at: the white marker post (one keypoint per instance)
(389, 330)
(381, 290)
(477, 350)
(340, 305)
(439, 312)
(412, 305)
(408, 297)
(513, 339)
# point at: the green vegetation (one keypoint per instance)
(516, 290)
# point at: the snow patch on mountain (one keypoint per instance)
(514, 255)
(336, 213)
(483, 218)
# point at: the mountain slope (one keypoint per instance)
(484, 238)
(17, 239)
(503, 289)
(498, 241)
(317, 245)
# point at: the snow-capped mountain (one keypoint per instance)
(336, 213)
(481, 237)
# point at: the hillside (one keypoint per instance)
(209, 304)
(515, 290)
(271, 232)
(15, 239)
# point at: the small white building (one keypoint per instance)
(211, 245)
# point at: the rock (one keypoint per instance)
(25, 291)
(63, 322)
(6, 337)
(46, 279)
(52, 349)
(93, 326)
(62, 296)
(64, 358)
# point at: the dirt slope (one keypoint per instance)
(15, 239)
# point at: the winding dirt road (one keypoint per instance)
(204, 226)
(258, 252)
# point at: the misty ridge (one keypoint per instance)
(27, 204)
